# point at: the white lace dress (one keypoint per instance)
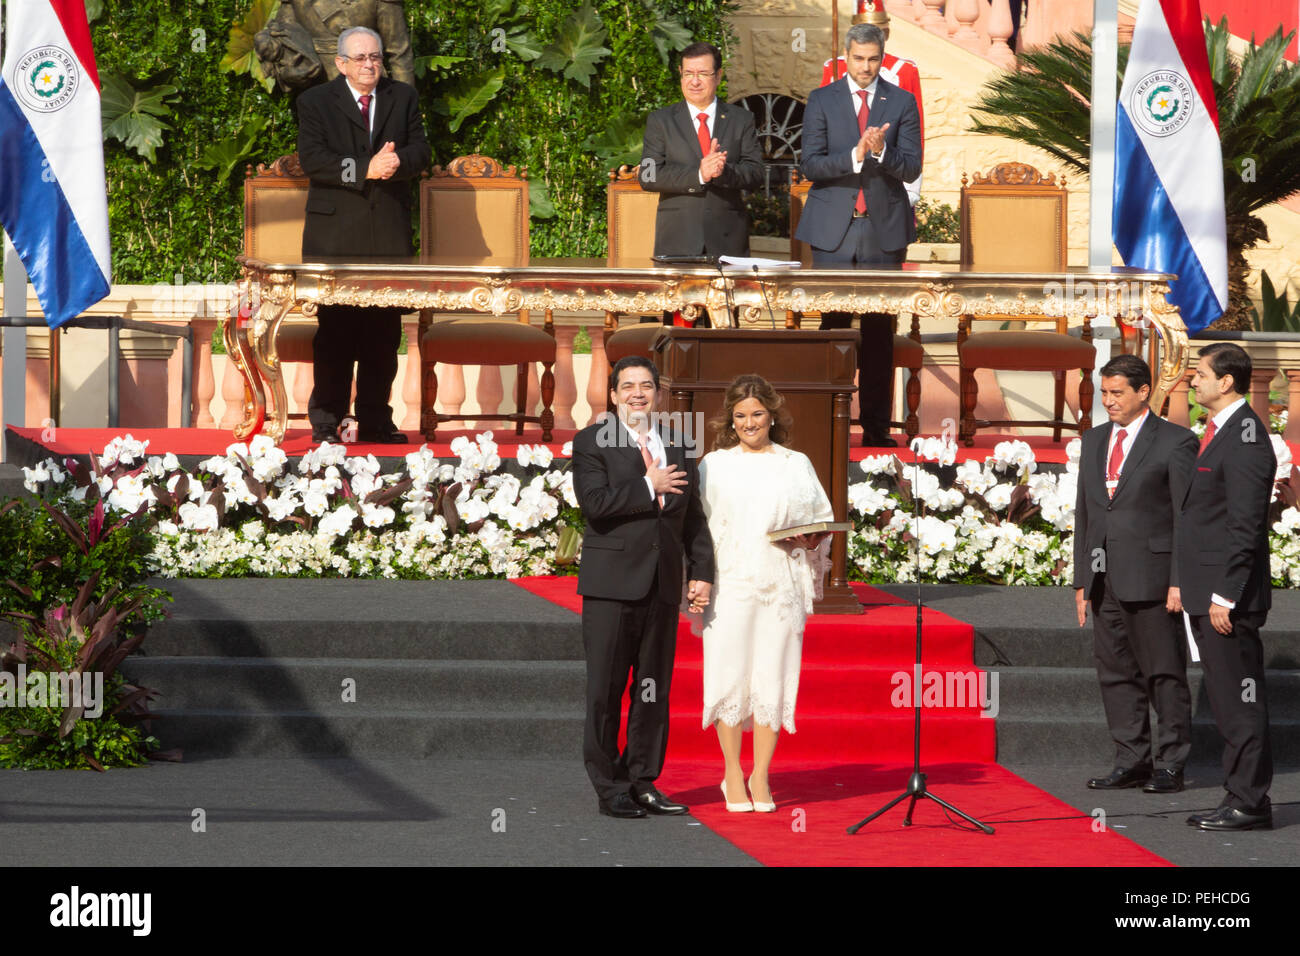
(753, 626)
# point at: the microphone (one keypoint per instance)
(763, 289)
(726, 289)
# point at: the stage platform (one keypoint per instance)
(469, 703)
(30, 446)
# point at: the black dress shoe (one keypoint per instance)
(622, 807)
(1121, 779)
(382, 436)
(877, 441)
(657, 803)
(324, 433)
(1164, 781)
(1230, 818)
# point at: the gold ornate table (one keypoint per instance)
(760, 298)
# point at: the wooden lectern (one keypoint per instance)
(813, 370)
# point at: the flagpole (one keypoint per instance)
(14, 393)
(1101, 190)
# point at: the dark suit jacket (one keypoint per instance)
(1135, 529)
(347, 214)
(693, 218)
(628, 536)
(830, 133)
(1223, 521)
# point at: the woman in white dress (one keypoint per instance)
(753, 626)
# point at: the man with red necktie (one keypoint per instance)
(361, 141)
(1223, 566)
(861, 144)
(700, 154)
(1132, 475)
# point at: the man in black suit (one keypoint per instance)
(1130, 475)
(699, 154)
(639, 493)
(861, 144)
(1224, 574)
(361, 140)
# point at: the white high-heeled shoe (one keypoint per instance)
(759, 806)
(745, 807)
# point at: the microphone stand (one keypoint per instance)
(763, 289)
(916, 787)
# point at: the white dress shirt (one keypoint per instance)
(858, 106)
(1130, 433)
(712, 111)
(356, 98)
(656, 446)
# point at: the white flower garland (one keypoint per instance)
(246, 513)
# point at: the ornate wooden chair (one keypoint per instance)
(475, 208)
(908, 351)
(630, 217)
(1014, 220)
(275, 206)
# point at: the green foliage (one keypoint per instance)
(131, 116)
(225, 156)
(619, 143)
(240, 56)
(74, 583)
(578, 48)
(769, 215)
(1278, 314)
(470, 95)
(937, 222)
(49, 552)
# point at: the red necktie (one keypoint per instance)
(365, 110)
(863, 111)
(1116, 459)
(705, 141)
(644, 442)
(1209, 436)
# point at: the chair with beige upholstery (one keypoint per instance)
(908, 351)
(1014, 220)
(275, 205)
(630, 220)
(475, 208)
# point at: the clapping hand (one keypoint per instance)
(873, 140)
(711, 166)
(384, 163)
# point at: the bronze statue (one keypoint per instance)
(298, 46)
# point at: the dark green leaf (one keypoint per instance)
(578, 48)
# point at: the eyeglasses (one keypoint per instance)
(361, 58)
(702, 75)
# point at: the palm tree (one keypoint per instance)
(1046, 105)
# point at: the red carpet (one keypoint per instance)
(853, 753)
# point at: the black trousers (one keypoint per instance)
(619, 637)
(369, 337)
(1141, 655)
(861, 247)
(1234, 682)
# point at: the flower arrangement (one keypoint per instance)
(247, 513)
